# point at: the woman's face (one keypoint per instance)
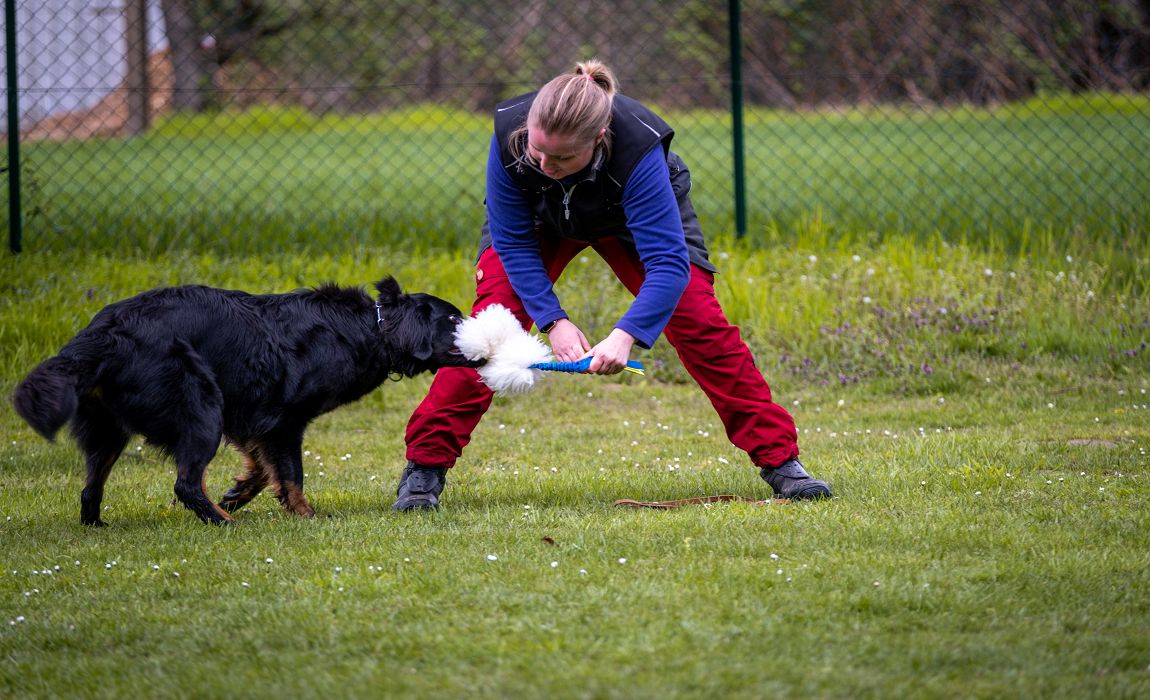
(559, 155)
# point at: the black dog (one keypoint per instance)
(187, 366)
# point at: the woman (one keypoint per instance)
(574, 166)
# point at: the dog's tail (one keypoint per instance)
(48, 396)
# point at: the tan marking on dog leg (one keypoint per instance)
(222, 513)
(250, 466)
(247, 485)
(267, 469)
(292, 498)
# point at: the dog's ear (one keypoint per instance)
(423, 348)
(423, 345)
(412, 334)
(389, 291)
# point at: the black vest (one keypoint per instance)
(588, 206)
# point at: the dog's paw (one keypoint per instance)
(304, 509)
(222, 522)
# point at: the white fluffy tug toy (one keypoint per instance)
(515, 358)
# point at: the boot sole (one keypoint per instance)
(417, 505)
(811, 492)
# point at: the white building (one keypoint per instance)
(71, 54)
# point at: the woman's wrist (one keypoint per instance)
(545, 329)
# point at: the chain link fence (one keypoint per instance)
(246, 124)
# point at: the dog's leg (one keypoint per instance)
(190, 491)
(292, 498)
(249, 484)
(102, 441)
(195, 449)
(285, 458)
(290, 491)
(194, 427)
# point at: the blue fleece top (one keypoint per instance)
(653, 220)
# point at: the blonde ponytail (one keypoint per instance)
(597, 72)
(575, 104)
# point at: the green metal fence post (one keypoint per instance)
(740, 180)
(15, 216)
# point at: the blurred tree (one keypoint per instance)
(206, 35)
(359, 55)
(191, 74)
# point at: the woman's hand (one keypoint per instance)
(611, 354)
(567, 341)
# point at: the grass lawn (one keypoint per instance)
(280, 179)
(973, 381)
(985, 543)
(989, 535)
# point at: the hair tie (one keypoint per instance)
(588, 77)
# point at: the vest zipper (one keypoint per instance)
(567, 200)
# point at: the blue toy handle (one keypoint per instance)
(582, 366)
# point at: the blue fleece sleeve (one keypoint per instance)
(655, 224)
(513, 235)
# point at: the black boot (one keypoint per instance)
(419, 487)
(790, 480)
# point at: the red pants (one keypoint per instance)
(711, 349)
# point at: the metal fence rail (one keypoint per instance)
(194, 118)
